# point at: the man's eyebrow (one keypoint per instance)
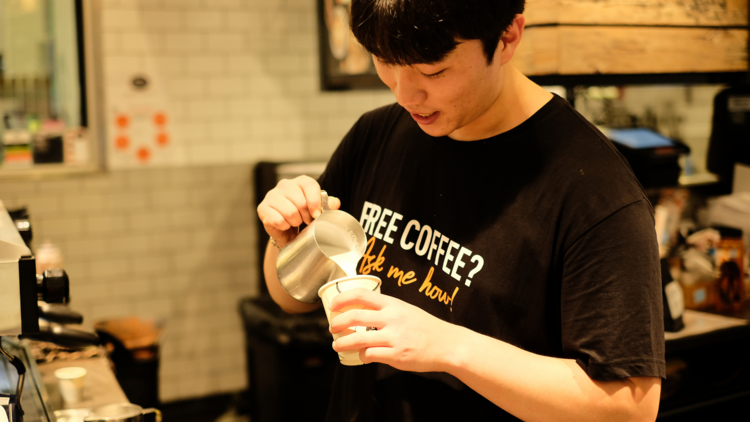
(406, 63)
(440, 63)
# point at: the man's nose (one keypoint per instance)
(408, 90)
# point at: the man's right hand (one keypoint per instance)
(283, 210)
(288, 205)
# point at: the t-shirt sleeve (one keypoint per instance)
(612, 316)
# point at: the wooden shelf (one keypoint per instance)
(642, 12)
(612, 37)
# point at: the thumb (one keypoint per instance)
(334, 203)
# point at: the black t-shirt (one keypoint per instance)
(540, 237)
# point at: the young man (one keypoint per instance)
(517, 250)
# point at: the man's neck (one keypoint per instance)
(518, 100)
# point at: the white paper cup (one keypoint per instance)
(331, 290)
(70, 380)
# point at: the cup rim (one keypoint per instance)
(339, 280)
(70, 372)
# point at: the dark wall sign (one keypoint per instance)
(344, 63)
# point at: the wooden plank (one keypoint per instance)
(539, 51)
(575, 50)
(638, 12)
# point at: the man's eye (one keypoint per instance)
(433, 75)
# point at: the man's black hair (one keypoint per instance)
(406, 32)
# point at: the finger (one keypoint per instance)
(278, 211)
(361, 340)
(311, 190)
(292, 193)
(369, 299)
(334, 203)
(357, 318)
(274, 231)
(272, 219)
(378, 354)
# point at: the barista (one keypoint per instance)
(521, 273)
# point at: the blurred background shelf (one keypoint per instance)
(611, 37)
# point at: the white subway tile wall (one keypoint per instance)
(238, 80)
(176, 244)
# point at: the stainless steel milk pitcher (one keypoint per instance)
(304, 265)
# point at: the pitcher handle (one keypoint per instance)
(156, 412)
(324, 201)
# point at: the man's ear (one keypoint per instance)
(511, 38)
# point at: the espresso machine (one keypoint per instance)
(31, 306)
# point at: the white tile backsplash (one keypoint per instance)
(172, 243)
(114, 19)
(225, 42)
(207, 18)
(228, 4)
(163, 20)
(184, 42)
(241, 61)
(181, 4)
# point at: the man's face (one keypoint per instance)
(453, 97)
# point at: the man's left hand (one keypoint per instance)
(407, 338)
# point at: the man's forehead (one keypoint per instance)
(446, 58)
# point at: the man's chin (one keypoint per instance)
(434, 131)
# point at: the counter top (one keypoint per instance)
(100, 385)
(697, 323)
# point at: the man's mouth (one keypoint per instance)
(425, 118)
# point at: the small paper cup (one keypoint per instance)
(330, 290)
(70, 380)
